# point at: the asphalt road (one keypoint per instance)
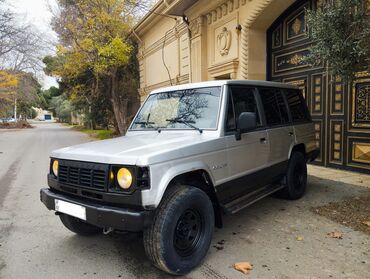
(34, 243)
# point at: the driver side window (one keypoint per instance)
(241, 99)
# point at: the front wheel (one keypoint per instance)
(181, 233)
(296, 177)
(78, 226)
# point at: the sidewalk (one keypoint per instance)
(349, 177)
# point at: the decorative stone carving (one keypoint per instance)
(141, 52)
(196, 26)
(176, 32)
(214, 15)
(224, 41)
(230, 4)
(224, 9)
(219, 12)
(225, 68)
(245, 35)
(209, 18)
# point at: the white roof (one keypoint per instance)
(224, 82)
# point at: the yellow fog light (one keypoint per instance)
(124, 178)
(55, 167)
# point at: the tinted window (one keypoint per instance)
(296, 105)
(243, 100)
(271, 106)
(282, 106)
(230, 119)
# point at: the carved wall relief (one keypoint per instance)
(224, 41)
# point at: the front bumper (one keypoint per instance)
(101, 215)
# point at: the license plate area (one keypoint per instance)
(72, 209)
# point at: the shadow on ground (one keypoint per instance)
(243, 229)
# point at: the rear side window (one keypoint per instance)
(275, 108)
(297, 107)
(282, 106)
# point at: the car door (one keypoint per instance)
(279, 129)
(248, 154)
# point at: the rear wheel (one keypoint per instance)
(296, 177)
(181, 233)
(78, 226)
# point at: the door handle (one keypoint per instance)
(263, 140)
(291, 134)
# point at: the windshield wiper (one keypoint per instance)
(187, 123)
(145, 123)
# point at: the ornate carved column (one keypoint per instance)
(198, 49)
(245, 36)
(141, 59)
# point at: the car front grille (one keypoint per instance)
(84, 175)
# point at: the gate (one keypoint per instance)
(341, 113)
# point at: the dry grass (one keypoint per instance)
(22, 124)
(352, 212)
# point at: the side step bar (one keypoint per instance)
(250, 198)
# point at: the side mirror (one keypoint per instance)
(247, 121)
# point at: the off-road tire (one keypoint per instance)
(296, 177)
(78, 226)
(182, 208)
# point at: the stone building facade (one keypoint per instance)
(183, 41)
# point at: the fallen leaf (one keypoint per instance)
(243, 267)
(337, 235)
(367, 223)
(300, 238)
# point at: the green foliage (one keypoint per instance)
(98, 134)
(340, 30)
(98, 30)
(115, 54)
(27, 94)
(62, 108)
(33, 113)
(93, 58)
(47, 95)
(53, 63)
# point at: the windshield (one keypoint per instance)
(182, 109)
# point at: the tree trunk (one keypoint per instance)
(119, 105)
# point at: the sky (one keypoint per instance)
(37, 12)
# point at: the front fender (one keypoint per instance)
(162, 175)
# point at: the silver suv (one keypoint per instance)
(192, 154)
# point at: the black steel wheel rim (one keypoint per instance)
(188, 232)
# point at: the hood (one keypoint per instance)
(135, 149)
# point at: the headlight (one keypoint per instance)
(55, 167)
(124, 178)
